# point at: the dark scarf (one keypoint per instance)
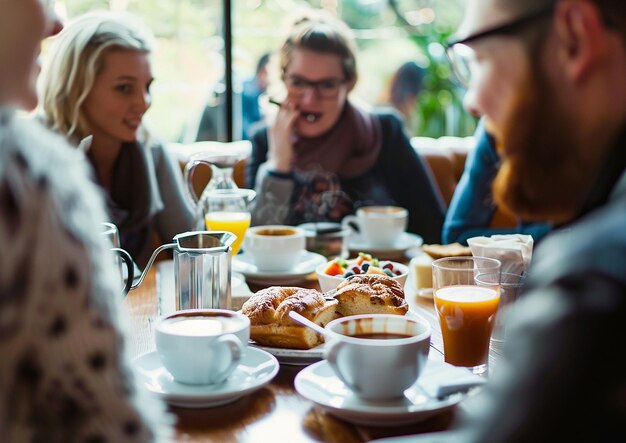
(348, 149)
(134, 199)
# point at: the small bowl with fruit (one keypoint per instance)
(331, 273)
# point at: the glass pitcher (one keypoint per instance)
(222, 205)
(202, 262)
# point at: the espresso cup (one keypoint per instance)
(381, 226)
(275, 248)
(202, 346)
(378, 356)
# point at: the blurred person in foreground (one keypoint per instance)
(96, 82)
(323, 156)
(549, 75)
(63, 376)
(473, 211)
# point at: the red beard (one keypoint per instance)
(543, 176)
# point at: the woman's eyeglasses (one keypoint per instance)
(326, 88)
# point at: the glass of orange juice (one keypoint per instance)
(466, 310)
(227, 210)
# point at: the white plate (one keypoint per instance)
(319, 384)
(302, 357)
(255, 370)
(297, 357)
(407, 240)
(306, 265)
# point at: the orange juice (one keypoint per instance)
(467, 316)
(235, 222)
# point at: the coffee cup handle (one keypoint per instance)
(130, 267)
(351, 222)
(236, 350)
(331, 351)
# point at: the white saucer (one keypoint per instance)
(256, 369)
(319, 384)
(295, 357)
(407, 240)
(306, 265)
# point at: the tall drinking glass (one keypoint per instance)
(510, 285)
(227, 210)
(466, 310)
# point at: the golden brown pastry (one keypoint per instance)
(451, 250)
(270, 324)
(370, 294)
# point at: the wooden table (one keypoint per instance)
(275, 413)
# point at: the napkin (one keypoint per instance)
(514, 251)
(439, 379)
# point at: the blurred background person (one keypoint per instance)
(322, 156)
(63, 375)
(96, 82)
(402, 91)
(472, 208)
(251, 91)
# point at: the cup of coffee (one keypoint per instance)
(378, 356)
(275, 248)
(202, 346)
(380, 226)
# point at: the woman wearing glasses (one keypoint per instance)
(323, 156)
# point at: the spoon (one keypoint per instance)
(306, 322)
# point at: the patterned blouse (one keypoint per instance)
(63, 374)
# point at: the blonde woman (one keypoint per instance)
(63, 376)
(97, 83)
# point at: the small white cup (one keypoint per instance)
(202, 346)
(381, 226)
(275, 248)
(378, 356)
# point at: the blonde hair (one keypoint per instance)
(76, 58)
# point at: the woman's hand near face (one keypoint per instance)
(280, 138)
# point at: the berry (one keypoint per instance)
(356, 269)
(348, 274)
(388, 265)
(365, 267)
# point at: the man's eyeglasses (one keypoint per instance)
(462, 56)
(327, 88)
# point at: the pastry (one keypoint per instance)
(370, 294)
(270, 324)
(451, 250)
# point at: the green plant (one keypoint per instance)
(440, 105)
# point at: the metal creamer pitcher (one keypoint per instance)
(201, 269)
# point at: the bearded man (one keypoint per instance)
(551, 78)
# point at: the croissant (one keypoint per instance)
(370, 294)
(270, 324)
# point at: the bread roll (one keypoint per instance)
(370, 294)
(270, 324)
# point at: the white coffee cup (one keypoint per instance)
(202, 346)
(378, 356)
(381, 226)
(275, 248)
